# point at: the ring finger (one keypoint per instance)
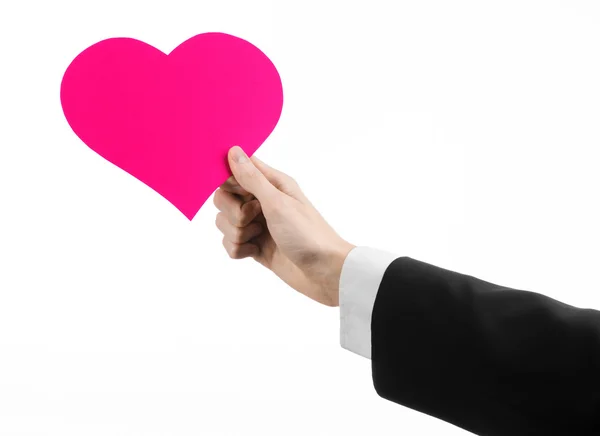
(237, 235)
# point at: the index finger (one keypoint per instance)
(232, 186)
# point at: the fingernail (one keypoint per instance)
(238, 155)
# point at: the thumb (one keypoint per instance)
(280, 180)
(248, 176)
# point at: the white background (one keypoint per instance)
(461, 133)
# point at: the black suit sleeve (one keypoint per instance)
(486, 358)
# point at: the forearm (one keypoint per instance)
(483, 356)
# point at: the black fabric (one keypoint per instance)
(486, 358)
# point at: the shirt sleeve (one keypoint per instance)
(361, 276)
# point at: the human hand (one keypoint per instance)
(264, 215)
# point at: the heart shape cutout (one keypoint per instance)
(169, 120)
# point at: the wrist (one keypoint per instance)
(334, 261)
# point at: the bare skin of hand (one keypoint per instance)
(263, 214)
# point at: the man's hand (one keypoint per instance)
(264, 215)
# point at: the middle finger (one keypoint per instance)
(238, 212)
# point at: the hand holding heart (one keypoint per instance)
(265, 215)
(169, 120)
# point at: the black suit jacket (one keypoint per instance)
(490, 359)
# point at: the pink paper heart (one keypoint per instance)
(169, 120)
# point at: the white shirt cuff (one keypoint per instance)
(361, 276)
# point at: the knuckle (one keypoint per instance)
(234, 216)
(232, 249)
(253, 176)
(219, 220)
(238, 218)
(245, 217)
(235, 252)
(248, 212)
(291, 180)
(251, 171)
(238, 234)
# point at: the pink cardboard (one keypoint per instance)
(169, 120)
